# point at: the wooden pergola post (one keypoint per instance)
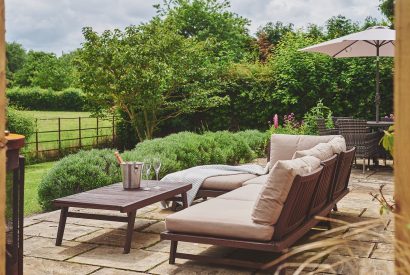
(402, 134)
(2, 140)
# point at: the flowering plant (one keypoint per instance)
(290, 125)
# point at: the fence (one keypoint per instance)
(54, 137)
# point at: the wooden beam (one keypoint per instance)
(402, 134)
(2, 149)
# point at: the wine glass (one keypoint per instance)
(147, 169)
(156, 162)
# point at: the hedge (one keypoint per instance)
(70, 99)
(19, 123)
(87, 170)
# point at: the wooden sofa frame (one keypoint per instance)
(315, 194)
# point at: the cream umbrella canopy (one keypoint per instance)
(375, 41)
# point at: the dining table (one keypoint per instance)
(380, 124)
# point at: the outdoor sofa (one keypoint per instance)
(306, 179)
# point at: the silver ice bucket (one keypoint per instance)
(131, 174)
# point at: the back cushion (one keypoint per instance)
(322, 151)
(272, 196)
(338, 144)
(284, 146)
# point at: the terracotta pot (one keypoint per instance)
(14, 143)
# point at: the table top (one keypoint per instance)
(380, 123)
(114, 197)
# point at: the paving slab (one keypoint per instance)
(37, 266)
(383, 251)
(95, 247)
(185, 267)
(46, 248)
(155, 228)
(136, 260)
(49, 230)
(55, 217)
(115, 237)
(192, 248)
(113, 271)
(360, 265)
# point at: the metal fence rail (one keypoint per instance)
(70, 134)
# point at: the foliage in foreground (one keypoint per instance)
(87, 170)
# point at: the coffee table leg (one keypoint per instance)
(61, 225)
(130, 230)
(184, 200)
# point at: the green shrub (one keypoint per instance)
(91, 169)
(256, 140)
(43, 99)
(76, 173)
(19, 123)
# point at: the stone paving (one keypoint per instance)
(95, 247)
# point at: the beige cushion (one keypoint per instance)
(258, 180)
(270, 202)
(245, 193)
(220, 218)
(338, 144)
(322, 151)
(284, 146)
(226, 182)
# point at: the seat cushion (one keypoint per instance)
(284, 146)
(269, 203)
(322, 151)
(226, 182)
(338, 144)
(244, 193)
(258, 180)
(220, 218)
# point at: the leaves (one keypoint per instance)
(150, 72)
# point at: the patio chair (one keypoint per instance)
(323, 130)
(336, 118)
(357, 134)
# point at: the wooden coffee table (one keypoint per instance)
(114, 197)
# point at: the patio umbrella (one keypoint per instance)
(375, 41)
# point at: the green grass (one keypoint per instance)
(48, 121)
(33, 176)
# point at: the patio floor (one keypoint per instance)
(95, 247)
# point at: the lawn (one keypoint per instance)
(70, 123)
(33, 176)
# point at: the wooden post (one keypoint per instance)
(59, 136)
(2, 140)
(36, 138)
(79, 132)
(402, 134)
(97, 131)
(113, 131)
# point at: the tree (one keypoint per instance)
(338, 26)
(387, 8)
(149, 72)
(44, 70)
(16, 56)
(265, 47)
(274, 31)
(210, 19)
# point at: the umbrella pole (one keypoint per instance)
(377, 97)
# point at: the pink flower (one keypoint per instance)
(276, 121)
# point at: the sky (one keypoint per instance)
(55, 25)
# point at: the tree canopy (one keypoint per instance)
(150, 72)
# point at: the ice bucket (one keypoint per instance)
(131, 175)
